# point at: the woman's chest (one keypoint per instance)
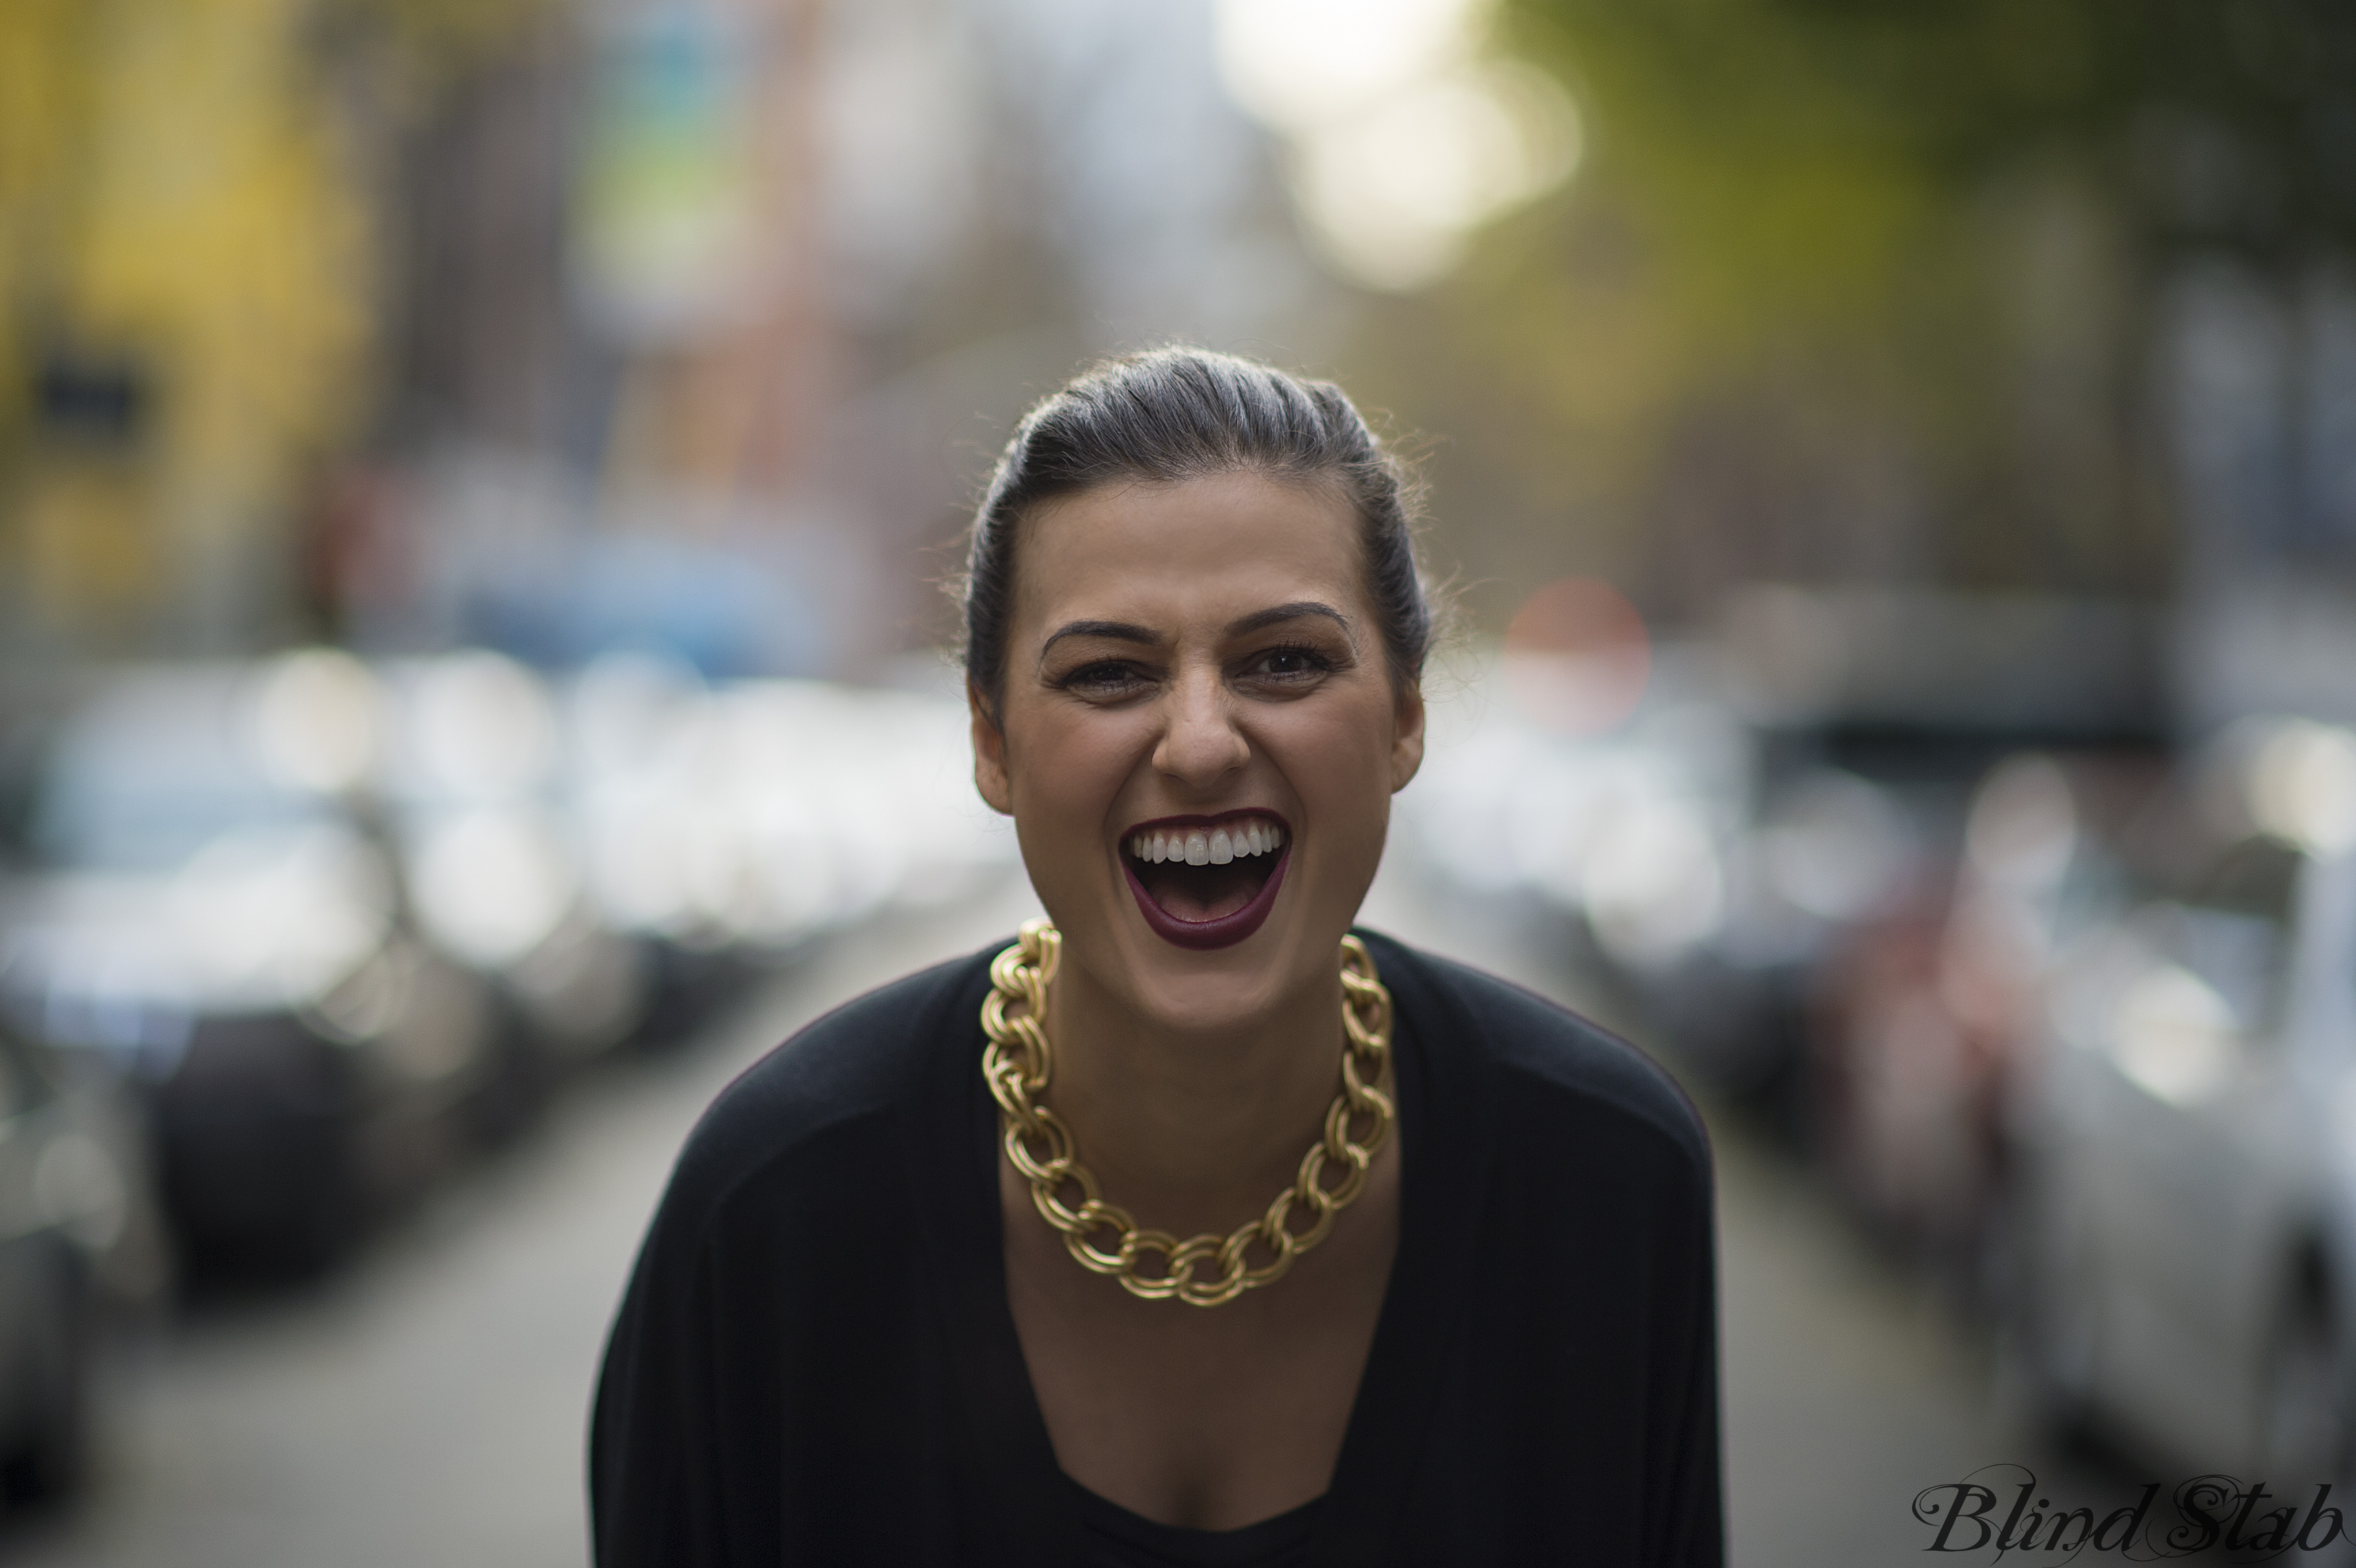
(1213, 1417)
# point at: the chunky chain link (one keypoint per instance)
(1018, 1062)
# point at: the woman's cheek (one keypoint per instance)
(1073, 751)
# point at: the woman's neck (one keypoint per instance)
(1188, 1131)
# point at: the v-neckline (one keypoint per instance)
(1440, 1112)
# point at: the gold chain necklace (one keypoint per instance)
(1017, 1062)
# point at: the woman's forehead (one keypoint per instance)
(1189, 540)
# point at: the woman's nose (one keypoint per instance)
(1200, 743)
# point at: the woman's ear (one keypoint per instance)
(1407, 737)
(989, 754)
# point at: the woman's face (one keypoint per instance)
(1199, 738)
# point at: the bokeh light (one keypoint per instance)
(1577, 656)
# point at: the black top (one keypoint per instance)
(815, 1363)
(1117, 1538)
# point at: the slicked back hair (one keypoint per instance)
(1171, 414)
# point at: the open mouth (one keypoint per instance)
(1207, 882)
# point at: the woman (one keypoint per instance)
(917, 1293)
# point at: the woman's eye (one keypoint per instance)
(1102, 677)
(1290, 663)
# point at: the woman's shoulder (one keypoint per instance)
(852, 1065)
(1539, 1048)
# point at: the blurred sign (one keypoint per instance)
(667, 235)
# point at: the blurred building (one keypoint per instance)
(184, 292)
(806, 262)
(558, 326)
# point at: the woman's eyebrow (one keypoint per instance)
(1117, 631)
(1145, 636)
(1292, 611)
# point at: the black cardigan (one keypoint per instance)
(815, 1362)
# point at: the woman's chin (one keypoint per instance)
(1229, 998)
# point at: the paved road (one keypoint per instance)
(427, 1406)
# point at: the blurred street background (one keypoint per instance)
(477, 478)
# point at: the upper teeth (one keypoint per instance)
(1207, 847)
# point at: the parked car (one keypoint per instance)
(753, 817)
(2186, 1195)
(1626, 832)
(80, 1248)
(470, 788)
(1923, 1014)
(1827, 854)
(631, 810)
(215, 921)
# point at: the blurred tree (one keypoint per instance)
(1855, 289)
